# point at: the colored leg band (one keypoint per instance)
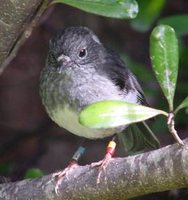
(111, 147)
(78, 153)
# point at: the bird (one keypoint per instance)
(80, 71)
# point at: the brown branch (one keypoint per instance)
(17, 19)
(155, 171)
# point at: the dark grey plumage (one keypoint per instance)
(79, 71)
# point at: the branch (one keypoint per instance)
(17, 19)
(155, 171)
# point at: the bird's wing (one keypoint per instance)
(137, 136)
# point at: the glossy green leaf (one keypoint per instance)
(178, 22)
(149, 10)
(122, 9)
(184, 104)
(164, 57)
(107, 114)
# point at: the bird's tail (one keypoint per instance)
(138, 137)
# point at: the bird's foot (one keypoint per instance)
(102, 165)
(59, 176)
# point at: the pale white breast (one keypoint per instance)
(68, 119)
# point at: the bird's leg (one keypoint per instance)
(110, 150)
(59, 176)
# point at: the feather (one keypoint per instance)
(138, 137)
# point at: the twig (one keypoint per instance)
(171, 127)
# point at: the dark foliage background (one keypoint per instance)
(30, 139)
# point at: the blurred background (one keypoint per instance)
(30, 139)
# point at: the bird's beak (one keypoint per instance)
(64, 60)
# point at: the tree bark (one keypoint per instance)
(124, 178)
(17, 18)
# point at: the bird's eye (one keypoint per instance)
(82, 53)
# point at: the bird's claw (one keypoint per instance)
(102, 165)
(59, 176)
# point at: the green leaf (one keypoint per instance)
(33, 173)
(178, 22)
(184, 104)
(123, 9)
(148, 12)
(164, 57)
(108, 114)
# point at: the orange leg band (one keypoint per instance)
(111, 147)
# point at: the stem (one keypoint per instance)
(171, 127)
